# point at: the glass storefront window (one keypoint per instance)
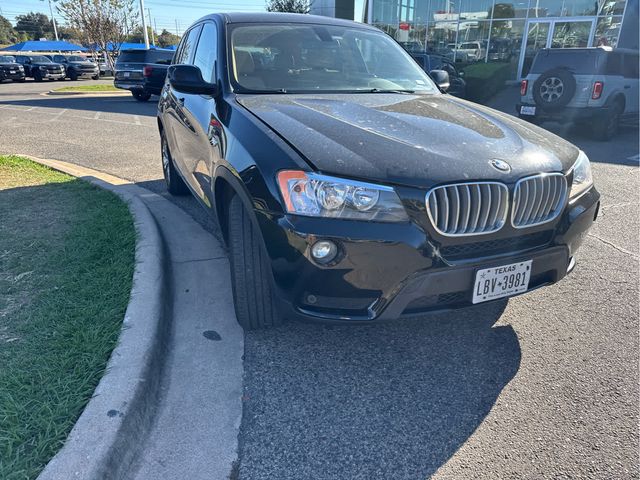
(611, 7)
(607, 31)
(564, 8)
(506, 43)
(571, 34)
(475, 9)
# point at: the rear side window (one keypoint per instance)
(187, 46)
(631, 66)
(207, 52)
(614, 64)
(577, 61)
(159, 56)
(145, 56)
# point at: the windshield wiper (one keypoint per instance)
(384, 90)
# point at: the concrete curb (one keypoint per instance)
(112, 428)
(89, 94)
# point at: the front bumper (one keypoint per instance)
(11, 75)
(385, 271)
(53, 75)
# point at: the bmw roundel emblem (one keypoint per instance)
(500, 165)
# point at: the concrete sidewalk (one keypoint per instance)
(193, 414)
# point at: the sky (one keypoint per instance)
(174, 15)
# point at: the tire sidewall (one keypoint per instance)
(569, 89)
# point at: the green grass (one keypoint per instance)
(89, 88)
(66, 266)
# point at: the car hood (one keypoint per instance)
(416, 140)
(7, 64)
(82, 63)
(43, 64)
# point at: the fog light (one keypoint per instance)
(324, 251)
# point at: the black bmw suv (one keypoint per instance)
(349, 187)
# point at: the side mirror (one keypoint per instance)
(441, 78)
(188, 79)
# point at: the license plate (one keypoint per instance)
(527, 110)
(502, 281)
(126, 74)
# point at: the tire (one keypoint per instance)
(251, 277)
(173, 180)
(73, 75)
(554, 89)
(22, 80)
(95, 77)
(37, 76)
(607, 126)
(141, 96)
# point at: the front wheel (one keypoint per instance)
(95, 77)
(141, 96)
(175, 183)
(73, 76)
(37, 76)
(251, 277)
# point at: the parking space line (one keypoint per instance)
(57, 115)
(96, 116)
(137, 119)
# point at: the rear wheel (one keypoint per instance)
(175, 183)
(141, 96)
(607, 127)
(251, 277)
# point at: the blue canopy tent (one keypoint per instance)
(44, 46)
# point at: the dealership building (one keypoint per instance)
(506, 32)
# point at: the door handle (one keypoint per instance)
(627, 86)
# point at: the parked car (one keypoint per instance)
(40, 67)
(348, 188)
(501, 50)
(77, 66)
(429, 62)
(472, 50)
(595, 87)
(10, 70)
(142, 72)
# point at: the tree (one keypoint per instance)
(7, 33)
(289, 6)
(35, 25)
(103, 24)
(167, 39)
(137, 35)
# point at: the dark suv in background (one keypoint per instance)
(77, 66)
(429, 62)
(40, 67)
(142, 72)
(10, 70)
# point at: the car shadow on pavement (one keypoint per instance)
(394, 400)
(116, 104)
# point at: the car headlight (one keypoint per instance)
(582, 179)
(314, 195)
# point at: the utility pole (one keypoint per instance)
(144, 25)
(53, 20)
(177, 31)
(153, 37)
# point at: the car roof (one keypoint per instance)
(275, 17)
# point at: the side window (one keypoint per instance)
(631, 66)
(614, 64)
(58, 58)
(187, 46)
(207, 52)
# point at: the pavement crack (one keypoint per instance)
(613, 245)
(180, 262)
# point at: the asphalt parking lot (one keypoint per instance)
(542, 386)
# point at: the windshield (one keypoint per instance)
(6, 59)
(301, 58)
(40, 59)
(76, 58)
(469, 46)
